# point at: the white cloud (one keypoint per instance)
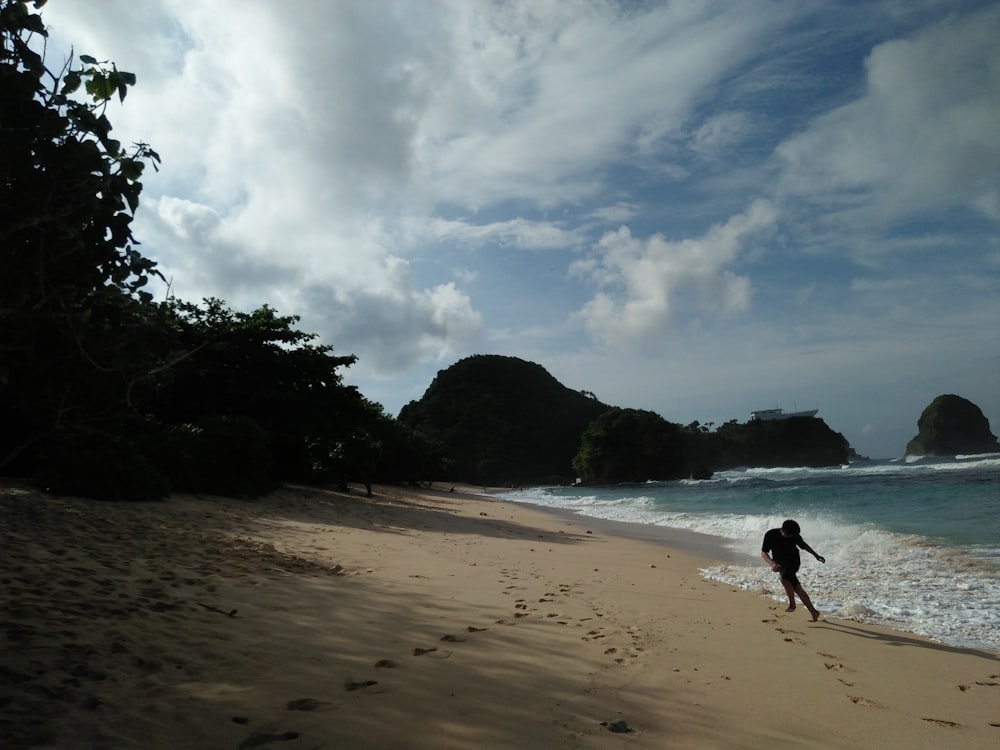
(517, 232)
(644, 283)
(721, 133)
(538, 97)
(922, 138)
(619, 213)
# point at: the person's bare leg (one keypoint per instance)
(805, 600)
(790, 590)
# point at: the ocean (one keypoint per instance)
(912, 544)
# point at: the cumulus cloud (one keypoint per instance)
(302, 144)
(922, 138)
(643, 284)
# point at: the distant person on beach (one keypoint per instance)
(780, 550)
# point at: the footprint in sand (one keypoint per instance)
(860, 701)
(358, 685)
(452, 639)
(385, 664)
(306, 704)
(941, 722)
(262, 738)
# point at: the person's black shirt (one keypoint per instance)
(784, 550)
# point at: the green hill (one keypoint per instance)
(503, 421)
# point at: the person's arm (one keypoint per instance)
(811, 551)
(774, 566)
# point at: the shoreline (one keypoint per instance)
(432, 619)
(955, 611)
(711, 549)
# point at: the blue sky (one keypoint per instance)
(697, 208)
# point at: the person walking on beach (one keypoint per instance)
(780, 550)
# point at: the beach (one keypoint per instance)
(432, 618)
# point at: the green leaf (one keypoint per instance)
(88, 60)
(131, 169)
(34, 23)
(71, 82)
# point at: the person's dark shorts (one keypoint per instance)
(788, 573)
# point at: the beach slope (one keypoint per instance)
(431, 618)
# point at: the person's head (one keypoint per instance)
(790, 528)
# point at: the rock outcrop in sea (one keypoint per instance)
(952, 425)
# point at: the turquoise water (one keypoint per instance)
(914, 544)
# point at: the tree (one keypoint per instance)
(257, 365)
(630, 445)
(502, 420)
(73, 316)
(104, 392)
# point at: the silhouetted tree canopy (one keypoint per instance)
(631, 445)
(106, 393)
(502, 420)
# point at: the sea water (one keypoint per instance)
(912, 544)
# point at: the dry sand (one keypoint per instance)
(430, 619)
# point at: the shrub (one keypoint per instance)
(93, 463)
(233, 458)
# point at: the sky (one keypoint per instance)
(696, 208)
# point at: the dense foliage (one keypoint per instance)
(72, 327)
(952, 425)
(797, 441)
(108, 394)
(630, 444)
(503, 421)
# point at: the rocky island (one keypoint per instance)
(952, 425)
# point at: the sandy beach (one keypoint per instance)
(431, 619)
